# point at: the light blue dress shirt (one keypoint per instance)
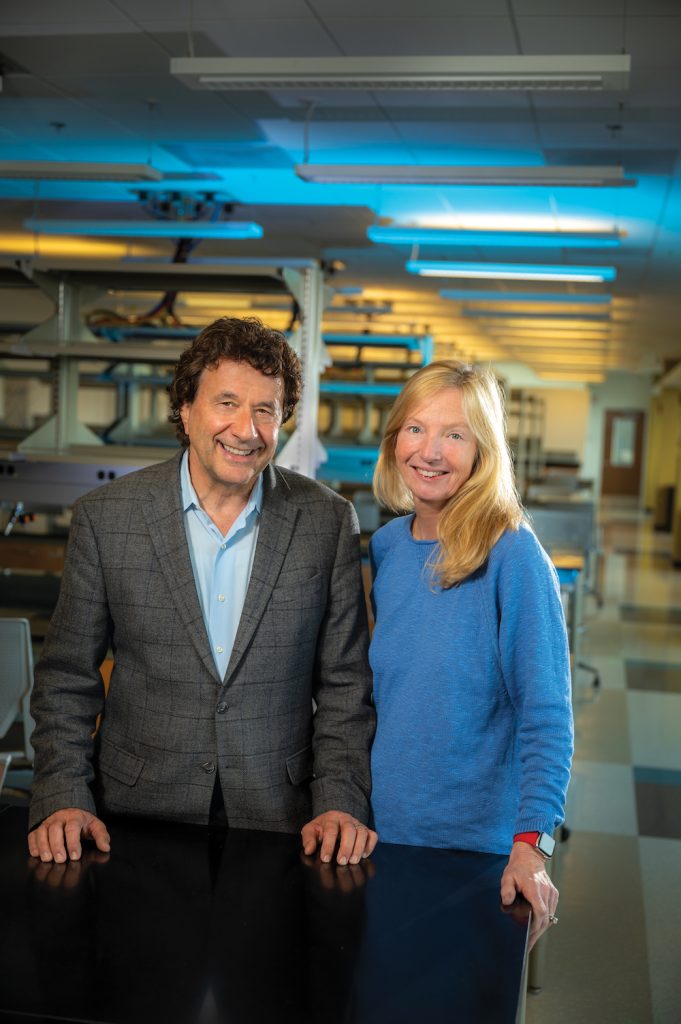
(222, 564)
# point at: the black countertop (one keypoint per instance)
(182, 926)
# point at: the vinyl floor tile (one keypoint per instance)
(660, 874)
(641, 641)
(603, 636)
(651, 675)
(610, 670)
(645, 559)
(658, 804)
(601, 799)
(601, 728)
(655, 728)
(638, 613)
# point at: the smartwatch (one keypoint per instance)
(541, 841)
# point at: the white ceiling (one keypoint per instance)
(90, 80)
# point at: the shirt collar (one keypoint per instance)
(190, 499)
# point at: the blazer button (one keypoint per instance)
(208, 767)
(221, 708)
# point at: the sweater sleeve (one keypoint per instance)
(535, 663)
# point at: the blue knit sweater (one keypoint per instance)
(472, 690)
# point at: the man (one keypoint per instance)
(230, 594)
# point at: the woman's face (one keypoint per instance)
(435, 450)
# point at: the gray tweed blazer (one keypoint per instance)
(290, 725)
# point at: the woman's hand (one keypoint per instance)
(525, 874)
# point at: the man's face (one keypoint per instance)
(233, 425)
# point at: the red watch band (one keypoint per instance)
(526, 837)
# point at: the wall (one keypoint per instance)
(566, 417)
(618, 391)
(663, 443)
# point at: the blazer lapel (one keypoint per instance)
(274, 537)
(165, 520)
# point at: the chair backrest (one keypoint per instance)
(16, 670)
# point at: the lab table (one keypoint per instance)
(186, 925)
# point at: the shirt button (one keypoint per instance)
(221, 597)
(208, 767)
(219, 650)
(221, 708)
(223, 547)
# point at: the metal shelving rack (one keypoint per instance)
(526, 421)
(139, 359)
(351, 455)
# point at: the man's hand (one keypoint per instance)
(63, 831)
(525, 873)
(354, 839)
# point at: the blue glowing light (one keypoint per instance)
(510, 271)
(147, 229)
(474, 295)
(517, 239)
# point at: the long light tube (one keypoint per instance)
(503, 72)
(473, 295)
(510, 271)
(147, 229)
(517, 239)
(76, 170)
(512, 315)
(441, 174)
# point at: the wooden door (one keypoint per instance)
(622, 452)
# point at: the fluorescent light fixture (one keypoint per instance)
(442, 174)
(548, 338)
(566, 350)
(366, 309)
(509, 271)
(553, 72)
(522, 329)
(530, 316)
(148, 229)
(464, 295)
(62, 170)
(576, 376)
(532, 239)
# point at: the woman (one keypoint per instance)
(469, 651)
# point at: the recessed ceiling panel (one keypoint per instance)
(423, 36)
(225, 155)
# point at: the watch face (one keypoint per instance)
(546, 844)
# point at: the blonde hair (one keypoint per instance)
(485, 506)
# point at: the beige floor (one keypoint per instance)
(615, 956)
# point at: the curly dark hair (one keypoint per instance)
(245, 340)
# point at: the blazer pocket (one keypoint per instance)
(120, 764)
(298, 593)
(299, 766)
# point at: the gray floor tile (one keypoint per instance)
(601, 728)
(660, 873)
(650, 675)
(655, 728)
(601, 798)
(635, 613)
(658, 808)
